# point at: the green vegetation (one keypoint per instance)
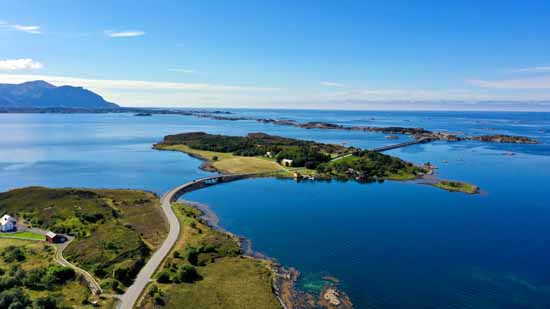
(115, 230)
(23, 235)
(30, 278)
(262, 153)
(259, 144)
(207, 270)
(457, 186)
(229, 163)
(368, 166)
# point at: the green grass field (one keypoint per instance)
(228, 280)
(231, 164)
(23, 235)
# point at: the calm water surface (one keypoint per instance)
(393, 245)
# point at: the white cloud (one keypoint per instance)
(187, 71)
(534, 82)
(27, 29)
(540, 69)
(19, 64)
(124, 34)
(180, 94)
(130, 84)
(333, 84)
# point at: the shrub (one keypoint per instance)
(14, 299)
(12, 253)
(191, 254)
(46, 302)
(163, 277)
(215, 158)
(187, 273)
(60, 274)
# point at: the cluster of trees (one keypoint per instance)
(16, 298)
(302, 153)
(182, 273)
(41, 278)
(367, 165)
(308, 156)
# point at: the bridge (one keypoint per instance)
(405, 144)
(129, 299)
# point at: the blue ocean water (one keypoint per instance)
(393, 245)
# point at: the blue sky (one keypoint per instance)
(288, 54)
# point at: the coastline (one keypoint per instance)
(284, 278)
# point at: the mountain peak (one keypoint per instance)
(41, 94)
(38, 83)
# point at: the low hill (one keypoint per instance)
(40, 94)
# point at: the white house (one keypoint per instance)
(286, 162)
(7, 223)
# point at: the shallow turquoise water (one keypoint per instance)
(393, 245)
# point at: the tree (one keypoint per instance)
(187, 273)
(192, 255)
(60, 274)
(14, 299)
(12, 253)
(163, 277)
(46, 302)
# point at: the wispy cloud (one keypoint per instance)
(180, 70)
(333, 84)
(539, 69)
(533, 82)
(27, 29)
(131, 84)
(124, 34)
(19, 64)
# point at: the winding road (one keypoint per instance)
(92, 283)
(129, 299)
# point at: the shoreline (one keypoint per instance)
(284, 277)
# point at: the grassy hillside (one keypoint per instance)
(115, 230)
(29, 276)
(206, 270)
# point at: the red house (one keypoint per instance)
(54, 238)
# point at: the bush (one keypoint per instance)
(215, 158)
(127, 271)
(191, 254)
(12, 253)
(187, 273)
(163, 277)
(46, 302)
(14, 299)
(60, 274)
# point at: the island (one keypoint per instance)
(267, 155)
(502, 138)
(457, 186)
(270, 155)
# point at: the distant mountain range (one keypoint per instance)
(40, 94)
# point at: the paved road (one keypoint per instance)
(129, 299)
(131, 296)
(92, 283)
